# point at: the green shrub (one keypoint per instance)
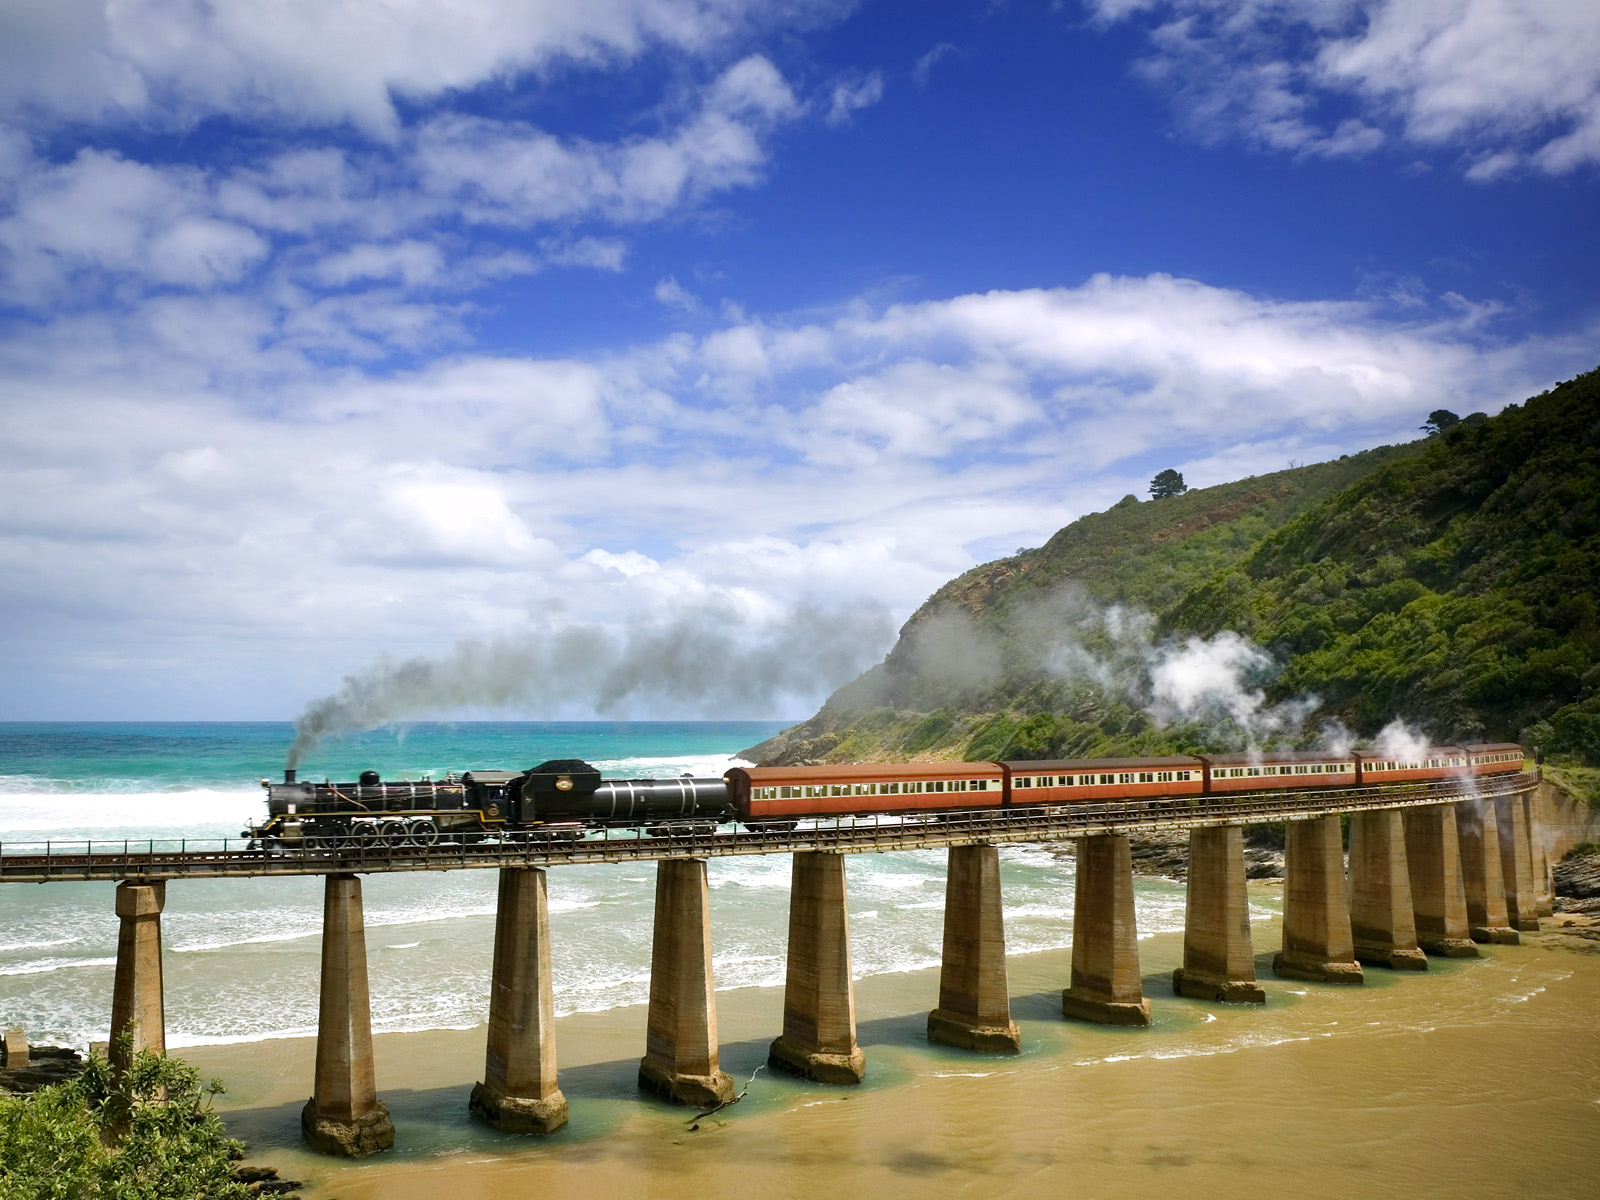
(147, 1133)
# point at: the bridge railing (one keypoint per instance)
(161, 858)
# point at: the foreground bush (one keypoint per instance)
(146, 1134)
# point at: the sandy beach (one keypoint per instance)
(1478, 1078)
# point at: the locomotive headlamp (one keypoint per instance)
(563, 784)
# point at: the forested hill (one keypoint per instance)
(1452, 581)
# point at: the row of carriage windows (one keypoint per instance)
(1103, 780)
(1285, 769)
(912, 788)
(1099, 779)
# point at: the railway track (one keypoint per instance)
(152, 860)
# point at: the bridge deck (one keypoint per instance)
(190, 859)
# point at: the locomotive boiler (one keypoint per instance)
(559, 798)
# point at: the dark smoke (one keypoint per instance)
(707, 663)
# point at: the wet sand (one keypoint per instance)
(1478, 1078)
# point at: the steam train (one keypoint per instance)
(567, 798)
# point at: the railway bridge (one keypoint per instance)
(1432, 868)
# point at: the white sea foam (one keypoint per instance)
(43, 966)
(114, 816)
(40, 945)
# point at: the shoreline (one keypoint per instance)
(1316, 1062)
(1488, 1060)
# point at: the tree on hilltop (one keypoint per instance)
(1439, 420)
(1167, 483)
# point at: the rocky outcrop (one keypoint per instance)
(1577, 880)
(44, 1066)
(1168, 857)
(264, 1181)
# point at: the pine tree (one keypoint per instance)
(1167, 483)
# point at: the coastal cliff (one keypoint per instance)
(1453, 582)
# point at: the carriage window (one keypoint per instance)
(1146, 777)
(1163, 776)
(1125, 777)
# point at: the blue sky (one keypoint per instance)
(335, 331)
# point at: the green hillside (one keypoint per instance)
(1451, 581)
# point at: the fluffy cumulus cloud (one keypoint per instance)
(420, 213)
(1499, 85)
(213, 499)
(173, 62)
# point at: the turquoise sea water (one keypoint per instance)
(83, 757)
(241, 956)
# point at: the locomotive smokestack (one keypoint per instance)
(288, 774)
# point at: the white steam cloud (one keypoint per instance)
(1217, 682)
(714, 662)
(1399, 741)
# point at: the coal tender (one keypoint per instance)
(562, 798)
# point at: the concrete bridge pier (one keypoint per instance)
(1383, 927)
(1105, 946)
(1218, 960)
(1544, 897)
(519, 1093)
(1317, 942)
(1522, 909)
(344, 1115)
(974, 997)
(136, 992)
(1478, 833)
(819, 1000)
(681, 1062)
(1438, 895)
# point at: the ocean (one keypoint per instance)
(242, 956)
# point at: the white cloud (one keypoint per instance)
(509, 173)
(673, 294)
(1504, 84)
(233, 495)
(100, 226)
(924, 65)
(306, 61)
(850, 96)
(102, 216)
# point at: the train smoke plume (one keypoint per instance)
(711, 662)
(1218, 683)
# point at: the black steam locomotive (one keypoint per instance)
(558, 799)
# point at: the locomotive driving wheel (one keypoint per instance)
(422, 832)
(393, 833)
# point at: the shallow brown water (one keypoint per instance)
(1477, 1079)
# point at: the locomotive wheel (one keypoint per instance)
(393, 833)
(422, 833)
(364, 835)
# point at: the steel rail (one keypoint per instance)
(227, 858)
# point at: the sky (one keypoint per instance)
(333, 334)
